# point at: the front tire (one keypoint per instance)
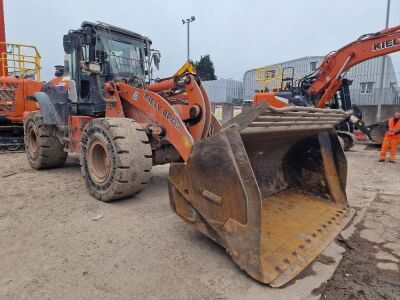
(116, 158)
(43, 148)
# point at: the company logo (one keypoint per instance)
(157, 107)
(386, 44)
(135, 95)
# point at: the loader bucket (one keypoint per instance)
(269, 187)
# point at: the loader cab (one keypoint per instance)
(114, 52)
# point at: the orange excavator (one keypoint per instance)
(327, 85)
(269, 185)
(19, 80)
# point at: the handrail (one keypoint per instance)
(20, 60)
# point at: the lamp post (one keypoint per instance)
(3, 46)
(381, 86)
(188, 21)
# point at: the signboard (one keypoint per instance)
(218, 112)
(237, 110)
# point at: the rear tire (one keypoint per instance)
(346, 140)
(43, 148)
(116, 158)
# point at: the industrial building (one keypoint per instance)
(367, 87)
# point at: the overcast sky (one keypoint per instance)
(239, 35)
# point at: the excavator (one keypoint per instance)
(327, 85)
(19, 79)
(269, 185)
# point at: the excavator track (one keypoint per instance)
(11, 139)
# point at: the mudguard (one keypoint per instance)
(50, 115)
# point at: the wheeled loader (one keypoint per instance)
(269, 185)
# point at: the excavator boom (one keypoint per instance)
(326, 86)
(336, 64)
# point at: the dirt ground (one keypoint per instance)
(370, 266)
(57, 242)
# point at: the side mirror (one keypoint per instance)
(156, 59)
(69, 43)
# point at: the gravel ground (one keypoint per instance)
(57, 242)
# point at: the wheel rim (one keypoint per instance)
(32, 141)
(98, 160)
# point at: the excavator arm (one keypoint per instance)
(320, 87)
(327, 79)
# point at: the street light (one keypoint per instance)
(188, 21)
(381, 86)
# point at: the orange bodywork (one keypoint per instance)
(77, 123)
(146, 108)
(271, 99)
(184, 118)
(149, 107)
(16, 97)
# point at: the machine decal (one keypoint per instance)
(386, 44)
(170, 119)
(152, 102)
(164, 113)
(135, 95)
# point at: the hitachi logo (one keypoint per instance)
(386, 44)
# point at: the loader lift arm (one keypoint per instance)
(146, 106)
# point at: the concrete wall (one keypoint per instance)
(369, 111)
(222, 111)
(387, 111)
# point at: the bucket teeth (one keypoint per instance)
(269, 187)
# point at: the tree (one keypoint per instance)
(205, 68)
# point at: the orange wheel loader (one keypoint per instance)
(269, 185)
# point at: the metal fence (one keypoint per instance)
(224, 90)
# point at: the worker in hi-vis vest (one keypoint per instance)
(392, 137)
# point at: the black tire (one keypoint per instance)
(43, 148)
(346, 140)
(116, 158)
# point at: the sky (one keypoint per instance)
(238, 34)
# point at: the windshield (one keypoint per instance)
(120, 58)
